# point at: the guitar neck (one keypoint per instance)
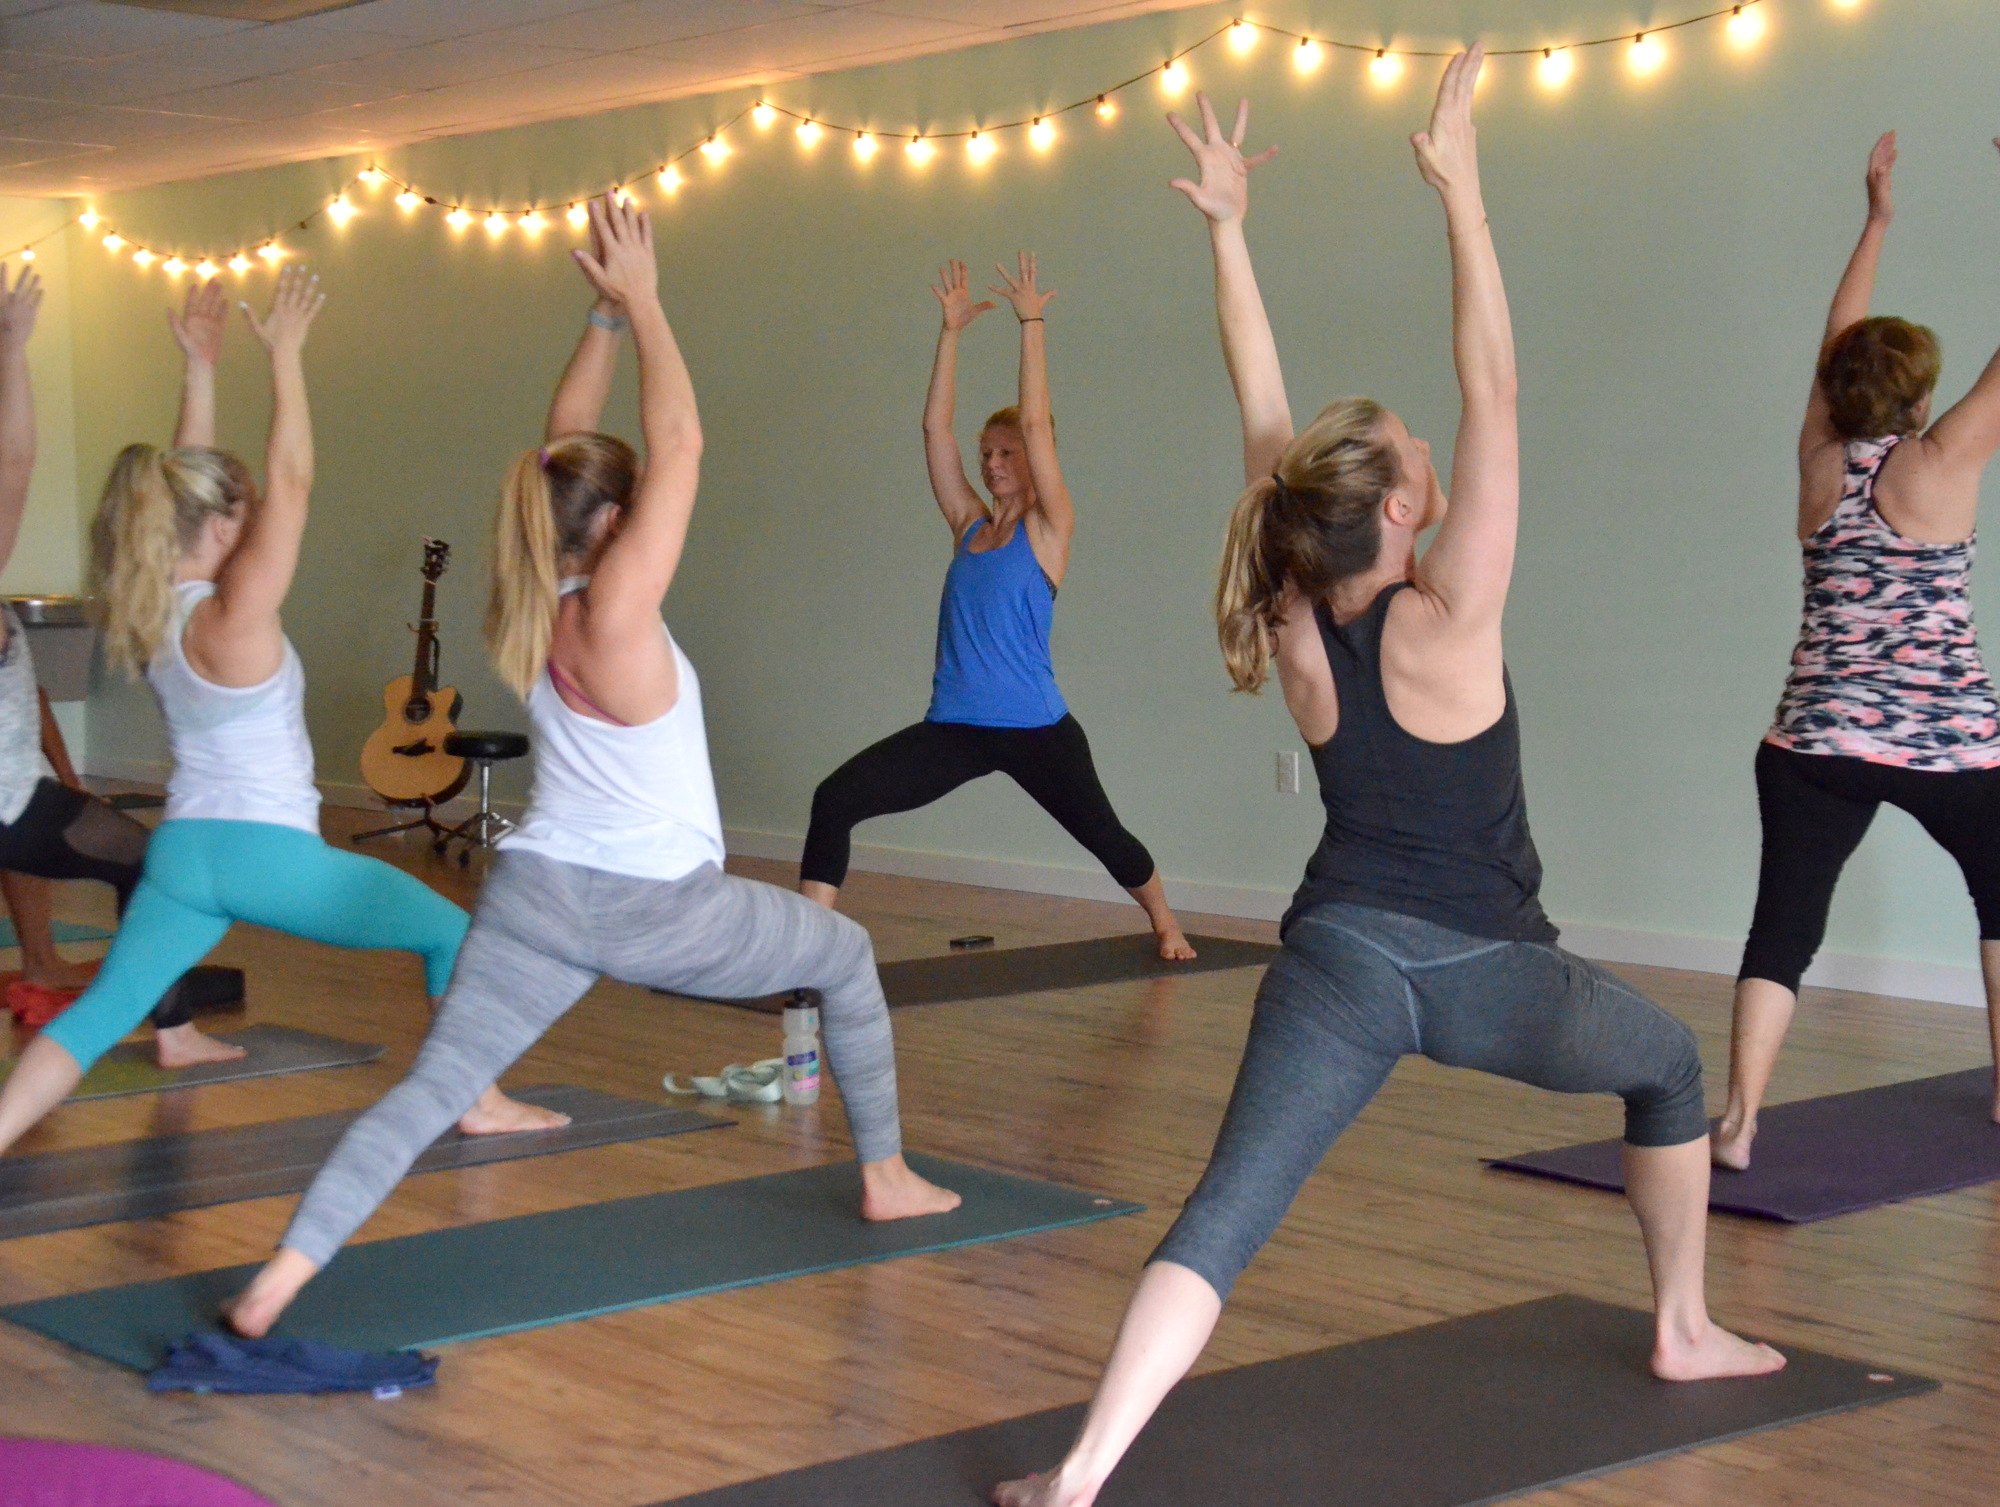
(421, 677)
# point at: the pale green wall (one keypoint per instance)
(1670, 248)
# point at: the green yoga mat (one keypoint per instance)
(482, 1279)
(129, 1068)
(63, 931)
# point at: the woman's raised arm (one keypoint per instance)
(18, 307)
(1468, 566)
(955, 498)
(578, 406)
(1248, 347)
(1038, 430)
(198, 330)
(1965, 439)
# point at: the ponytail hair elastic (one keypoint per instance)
(542, 457)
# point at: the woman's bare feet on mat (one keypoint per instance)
(1046, 1490)
(1729, 1146)
(496, 1114)
(184, 1046)
(253, 1311)
(1713, 1352)
(1174, 945)
(891, 1190)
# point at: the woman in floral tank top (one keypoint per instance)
(1888, 698)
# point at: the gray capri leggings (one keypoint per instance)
(1356, 989)
(541, 935)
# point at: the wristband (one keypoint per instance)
(1033, 319)
(616, 323)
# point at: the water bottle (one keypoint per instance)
(802, 1048)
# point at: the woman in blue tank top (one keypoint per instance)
(995, 706)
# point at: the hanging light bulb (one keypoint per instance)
(864, 145)
(1556, 66)
(533, 222)
(89, 219)
(1385, 67)
(809, 133)
(1746, 24)
(205, 269)
(271, 251)
(979, 147)
(1242, 36)
(1308, 55)
(113, 241)
(495, 223)
(239, 264)
(1647, 54)
(340, 211)
(577, 215)
(143, 257)
(173, 266)
(1042, 134)
(715, 149)
(763, 115)
(1174, 76)
(458, 219)
(372, 176)
(669, 178)
(27, 253)
(920, 150)
(407, 201)
(1107, 109)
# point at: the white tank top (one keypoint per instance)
(626, 800)
(241, 753)
(21, 761)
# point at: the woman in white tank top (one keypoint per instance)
(617, 867)
(194, 566)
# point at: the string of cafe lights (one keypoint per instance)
(1743, 22)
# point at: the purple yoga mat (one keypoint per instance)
(1816, 1158)
(52, 1473)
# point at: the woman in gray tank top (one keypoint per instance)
(1418, 929)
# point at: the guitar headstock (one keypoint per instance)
(437, 556)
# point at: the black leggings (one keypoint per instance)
(1817, 807)
(65, 833)
(916, 766)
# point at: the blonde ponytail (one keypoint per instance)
(154, 505)
(548, 506)
(1312, 523)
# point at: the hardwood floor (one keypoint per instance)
(1117, 1087)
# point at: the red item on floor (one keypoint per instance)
(35, 1006)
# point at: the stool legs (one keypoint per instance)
(484, 827)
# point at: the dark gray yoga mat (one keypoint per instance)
(1457, 1414)
(64, 1190)
(1815, 1158)
(537, 1269)
(129, 1068)
(983, 974)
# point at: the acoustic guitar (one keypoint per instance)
(404, 760)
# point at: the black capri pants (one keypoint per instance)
(65, 833)
(1816, 808)
(920, 764)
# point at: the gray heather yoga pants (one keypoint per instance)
(541, 934)
(1356, 989)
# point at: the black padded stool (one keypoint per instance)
(485, 826)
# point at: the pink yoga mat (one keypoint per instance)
(53, 1473)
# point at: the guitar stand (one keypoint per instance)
(427, 822)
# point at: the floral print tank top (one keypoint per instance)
(1887, 667)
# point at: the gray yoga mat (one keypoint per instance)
(64, 1190)
(536, 1269)
(129, 1068)
(1815, 1158)
(63, 931)
(983, 973)
(1457, 1414)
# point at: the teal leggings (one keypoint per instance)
(202, 875)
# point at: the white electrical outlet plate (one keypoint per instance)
(1288, 772)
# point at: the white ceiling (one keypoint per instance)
(96, 96)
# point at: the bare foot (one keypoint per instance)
(253, 1311)
(496, 1114)
(1716, 1352)
(1729, 1145)
(184, 1046)
(1040, 1491)
(61, 975)
(890, 1190)
(1174, 945)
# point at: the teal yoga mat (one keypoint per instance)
(64, 931)
(537, 1269)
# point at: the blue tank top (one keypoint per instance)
(993, 665)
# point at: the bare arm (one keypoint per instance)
(1965, 439)
(578, 406)
(1248, 348)
(955, 498)
(18, 308)
(1466, 571)
(236, 638)
(1038, 431)
(198, 329)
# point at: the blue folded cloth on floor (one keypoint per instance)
(216, 1362)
